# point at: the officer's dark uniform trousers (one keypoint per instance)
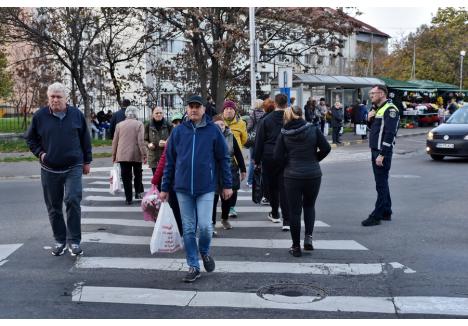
(381, 142)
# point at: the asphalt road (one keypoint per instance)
(420, 256)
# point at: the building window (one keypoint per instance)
(265, 77)
(167, 46)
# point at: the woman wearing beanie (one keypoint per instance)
(239, 130)
(300, 147)
(237, 163)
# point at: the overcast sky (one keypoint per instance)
(397, 21)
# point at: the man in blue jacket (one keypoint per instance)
(59, 137)
(117, 117)
(194, 150)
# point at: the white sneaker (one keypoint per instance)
(274, 220)
(264, 201)
(286, 228)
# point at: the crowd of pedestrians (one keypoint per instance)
(196, 160)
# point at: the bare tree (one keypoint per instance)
(67, 34)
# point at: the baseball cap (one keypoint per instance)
(196, 99)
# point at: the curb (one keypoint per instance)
(361, 141)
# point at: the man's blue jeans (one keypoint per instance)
(251, 166)
(64, 187)
(196, 211)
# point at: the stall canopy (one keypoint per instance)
(404, 85)
(423, 83)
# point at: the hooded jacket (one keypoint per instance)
(192, 154)
(268, 130)
(300, 148)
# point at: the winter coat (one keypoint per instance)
(153, 135)
(238, 129)
(268, 130)
(193, 152)
(128, 144)
(300, 148)
(117, 117)
(337, 116)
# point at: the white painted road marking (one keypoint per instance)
(387, 305)
(105, 237)
(237, 224)
(170, 264)
(120, 209)
(6, 250)
(122, 199)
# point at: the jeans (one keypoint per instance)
(251, 167)
(301, 195)
(196, 211)
(64, 187)
(383, 204)
(336, 134)
(126, 173)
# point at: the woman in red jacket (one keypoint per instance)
(157, 177)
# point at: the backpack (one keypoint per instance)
(251, 133)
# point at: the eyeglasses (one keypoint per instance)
(194, 105)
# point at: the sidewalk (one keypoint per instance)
(349, 138)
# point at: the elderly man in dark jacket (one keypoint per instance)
(194, 151)
(60, 138)
(337, 113)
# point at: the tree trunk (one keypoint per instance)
(115, 83)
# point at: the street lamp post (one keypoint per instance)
(462, 55)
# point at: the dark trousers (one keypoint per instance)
(273, 178)
(126, 174)
(301, 195)
(225, 205)
(57, 189)
(322, 125)
(383, 205)
(174, 203)
(336, 134)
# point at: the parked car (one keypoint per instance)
(450, 138)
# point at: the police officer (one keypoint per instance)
(384, 120)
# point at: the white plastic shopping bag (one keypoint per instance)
(166, 236)
(361, 129)
(325, 129)
(114, 179)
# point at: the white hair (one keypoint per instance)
(57, 87)
(131, 112)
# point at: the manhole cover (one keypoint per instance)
(291, 293)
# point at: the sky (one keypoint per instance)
(397, 21)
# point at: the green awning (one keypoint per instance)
(424, 83)
(398, 84)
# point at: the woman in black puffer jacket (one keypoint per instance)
(300, 147)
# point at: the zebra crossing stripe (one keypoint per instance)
(141, 222)
(6, 250)
(108, 168)
(105, 237)
(122, 199)
(121, 209)
(172, 264)
(385, 305)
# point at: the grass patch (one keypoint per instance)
(101, 155)
(13, 145)
(20, 146)
(18, 159)
(14, 124)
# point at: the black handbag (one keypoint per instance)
(257, 186)
(252, 133)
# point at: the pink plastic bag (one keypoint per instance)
(150, 204)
